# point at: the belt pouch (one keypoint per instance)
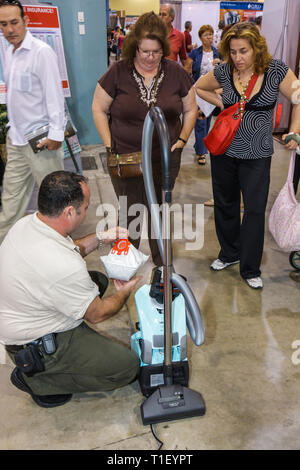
(29, 360)
(127, 165)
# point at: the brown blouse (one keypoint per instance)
(131, 102)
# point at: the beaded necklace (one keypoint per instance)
(244, 89)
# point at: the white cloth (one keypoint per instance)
(207, 62)
(206, 107)
(45, 285)
(34, 90)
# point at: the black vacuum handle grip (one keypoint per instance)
(158, 118)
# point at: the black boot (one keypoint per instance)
(46, 401)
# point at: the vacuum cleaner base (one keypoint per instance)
(171, 402)
(152, 376)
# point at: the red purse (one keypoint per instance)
(226, 125)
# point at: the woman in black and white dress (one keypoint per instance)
(245, 167)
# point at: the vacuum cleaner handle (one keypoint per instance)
(155, 117)
(158, 119)
(193, 315)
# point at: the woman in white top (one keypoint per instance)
(204, 58)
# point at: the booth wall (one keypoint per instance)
(135, 7)
(200, 13)
(86, 59)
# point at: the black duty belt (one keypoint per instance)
(49, 348)
(14, 348)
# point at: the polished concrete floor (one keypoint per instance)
(244, 370)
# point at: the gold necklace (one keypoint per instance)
(243, 92)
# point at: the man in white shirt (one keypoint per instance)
(47, 293)
(34, 99)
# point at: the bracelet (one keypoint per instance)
(182, 140)
(100, 239)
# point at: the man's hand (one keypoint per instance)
(49, 144)
(126, 286)
(102, 309)
(113, 234)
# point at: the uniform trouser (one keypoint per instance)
(134, 189)
(241, 240)
(23, 168)
(85, 361)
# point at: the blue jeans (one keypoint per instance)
(201, 130)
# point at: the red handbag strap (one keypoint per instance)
(251, 85)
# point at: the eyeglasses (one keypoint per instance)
(10, 2)
(156, 53)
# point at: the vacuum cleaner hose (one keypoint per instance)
(155, 117)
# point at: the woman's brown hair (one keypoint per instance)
(250, 32)
(148, 26)
(204, 28)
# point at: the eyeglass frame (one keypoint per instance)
(153, 53)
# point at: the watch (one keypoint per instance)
(100, 239)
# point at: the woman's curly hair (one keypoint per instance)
(247, 30)
(148, 26)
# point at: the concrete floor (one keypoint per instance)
(244, 370)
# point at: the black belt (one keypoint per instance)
(14, 348)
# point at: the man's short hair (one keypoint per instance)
(59, 190)
(187, 24)
(13, 3)
(172, 11)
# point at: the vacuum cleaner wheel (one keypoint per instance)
(295, 259)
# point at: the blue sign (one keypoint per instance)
(242, 6)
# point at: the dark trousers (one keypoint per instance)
(241, 240)
(134, 189)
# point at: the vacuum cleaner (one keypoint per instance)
(166, 307)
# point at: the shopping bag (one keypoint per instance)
(284, 219)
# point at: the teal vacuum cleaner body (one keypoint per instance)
(167, 307)
(148, 341)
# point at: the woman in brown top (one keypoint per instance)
(123, 97)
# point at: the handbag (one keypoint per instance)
(227, 123)
(126, 165)
(284, 219)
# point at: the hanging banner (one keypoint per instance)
(233, 12)
(44, 25)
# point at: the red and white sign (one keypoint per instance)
(42, 17)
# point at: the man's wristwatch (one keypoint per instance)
(100, 239)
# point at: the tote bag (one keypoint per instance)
(284, 219)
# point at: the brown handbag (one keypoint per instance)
(126, 165)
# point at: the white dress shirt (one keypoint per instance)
(34, 90)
